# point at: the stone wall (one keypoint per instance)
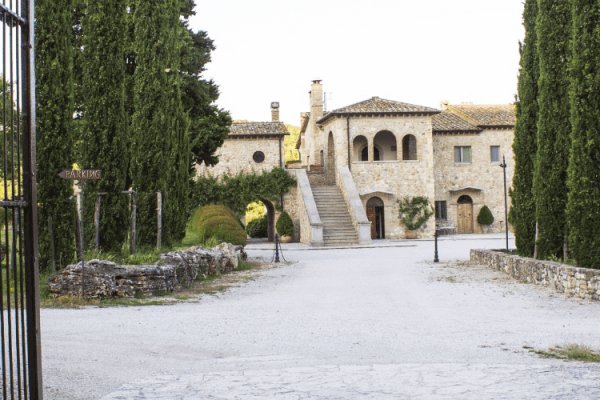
(235, 156)
(175, 270)
(389, 180)
(481, 179)
(583, 283)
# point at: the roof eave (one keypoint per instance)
(377, 114)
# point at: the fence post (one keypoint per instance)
(97, 220)
(133, 218)
(80, 234)
(159, 220)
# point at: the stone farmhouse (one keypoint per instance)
(357, 161)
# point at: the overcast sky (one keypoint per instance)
(415, 51)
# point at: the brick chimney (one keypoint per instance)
(316, 100)
(275, 111)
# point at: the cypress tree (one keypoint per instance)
(160, 143)
(105, 122)
(553, 27)
(583, 210)
(54, 70)
(524, 145)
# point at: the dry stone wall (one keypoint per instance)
(583, 283)
(175, 270)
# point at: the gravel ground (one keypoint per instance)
(369, 323)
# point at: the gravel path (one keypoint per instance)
(369, 323)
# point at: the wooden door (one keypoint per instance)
(372, 217)
(465, 218)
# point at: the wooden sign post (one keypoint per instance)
(78, 175)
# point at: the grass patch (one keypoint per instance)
(571, 352)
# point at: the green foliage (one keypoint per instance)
(257, 228)
(414, 211)
(284, 225)
(291, 153)
(209, 125)
(255, 210)
(583, 208)
(553, 29)
(522, 212)
(485, 216)
(160, 142)
(217, 222)
(104, 139)
(55, 140)
(238, 191)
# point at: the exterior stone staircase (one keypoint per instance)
(337, 223)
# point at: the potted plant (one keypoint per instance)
(285, 227)
(485, 218)
(414, 212)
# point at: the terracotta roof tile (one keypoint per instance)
(258, 129)
(376, 105)
(487, 116)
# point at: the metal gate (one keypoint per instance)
(20, 365)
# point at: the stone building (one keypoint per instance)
(357, 161)
(251, 147)
(378, 151)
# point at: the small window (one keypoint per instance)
(462, 154)
(495, 153)
(441, 210)
(258, 157)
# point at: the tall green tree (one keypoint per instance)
(583, 209)
(553, 26)
(105, 122)
(160, 140)
(54, 71)
(524, 146)
(209, 125)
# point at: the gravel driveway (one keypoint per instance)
(368, 323)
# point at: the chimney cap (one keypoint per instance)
(316, 81)
(274, 104)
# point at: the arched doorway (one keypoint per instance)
(465, 214)
(262, 208)
(375, 215)
(330, 164)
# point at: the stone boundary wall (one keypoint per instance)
(174, 270)
(582, 283)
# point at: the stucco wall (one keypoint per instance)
(480, 173)
(235, 156)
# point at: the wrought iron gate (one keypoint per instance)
(20, 365)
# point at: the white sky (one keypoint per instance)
(416, 51)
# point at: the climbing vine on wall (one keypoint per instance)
(238, 191)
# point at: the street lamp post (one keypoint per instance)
(503, 166)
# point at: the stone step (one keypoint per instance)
(337, 224)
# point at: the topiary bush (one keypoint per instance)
(217, 222)
(485, 216)
(257, 228)
(284, 225)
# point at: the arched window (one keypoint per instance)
(385, 144)
(409, 147)
(360, 150)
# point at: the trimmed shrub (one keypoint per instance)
(284, 225)
(485, 216)
(257, 228)
(218, 222)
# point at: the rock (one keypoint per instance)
(174, 270)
